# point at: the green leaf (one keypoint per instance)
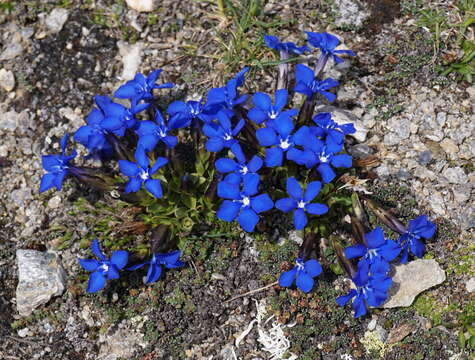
(471, 342)
(461, 339)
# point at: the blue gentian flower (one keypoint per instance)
(419, 227)
(151, 132)
(278, 139)
(103, 269)
(289, 47)
(227, 96)
(327, 127)
(378, 252)
(240, 77)
(323, 155)
(117, 117)
(327, 44)
(265, 111)
(221, 134)
(308, 85)
(140, 173)
(238, 168)
(183, 112)
(243, 205)
(57, 167)
(169, 261)
(302, 273)
(93, 135)
(301, 202)
(141, 88)
(370, 290)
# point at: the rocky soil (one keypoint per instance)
(56, 55)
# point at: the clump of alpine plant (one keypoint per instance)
(239, 158)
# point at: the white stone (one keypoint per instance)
(40, 277)
(7, 80)
(142, 5)
(470, 285)
(56, 19)
(411, 279)
(455, 175)
(131, 58)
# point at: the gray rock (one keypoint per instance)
(437, 203)
(455, 175)
(401, 127)
(425, 157)
(142, 5)
(467, 218)
(56, 19)
(360, 151)
(350, 13)
(7, 80)
(41, 277)
(121, 344)
(411, 279)
(11, 51)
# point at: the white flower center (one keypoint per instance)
(162, 133)
(144, 175)
(244, 170)
(245, 201)
(301, 204)
(272, 114)
(284, 144)
(227, 137)
(372, 253)
(299, 265)
(324, 158)
(104, 267)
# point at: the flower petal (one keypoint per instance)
(287, 278)
(128, 168)
(286, 204)
(154, 187)
(89, 264)
(293, 188)
(359, 307)
(119, 258)
(262, 101)
(261, 203)
(248, 219)
(326, 172)
(228, 190)
(281, 96)
(153, 273)
(96, 282)
(343, 300)
(312, 191)
(341, 160)
(96, 250)
(225, 165)
(47, 182)
(250, 184)
(375, 238)
(316, 208)
(300, 219)
(304, 282)
(313, 267)
(133, 185)
(355, 251)
(266, 137)
(229, 210)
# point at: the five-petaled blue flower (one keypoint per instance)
(302, 273)
(103, 269)
(243, 205)
(327, 127)
(227, 96)
(93, 135)
(419, 227)
(140, 173)
(238, 169)
(288, 47)
(117, 117)
(221, 134)
(378, 252)
(371, 290)
(321, 154)
(141, 88)
(170, 261)
(307, 84)
(301, 202)
(57, 167)
(150, 133)
(327, 44)
(183, 112)
(265, 111)
(277, 139)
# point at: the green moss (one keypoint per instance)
(463, 261)
(427, 306)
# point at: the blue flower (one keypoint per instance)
(240, 76)
(308, 85)
(301, 202)
(321, 154)
(93, 135)
(327, 127)
(289, 47)
(238, 169)
(169, 261)
(150, 133)
(182, 113)
(227, 96)
(419, 227)
(265, 111)
(118, 118)
(378, 252)
(221, 134)
(243, 205)
(103, 269)
(302, 273)
(370, 290)
(140, 173)
(141, 88)
(277, 139)
(57, 167)
(327, 44)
